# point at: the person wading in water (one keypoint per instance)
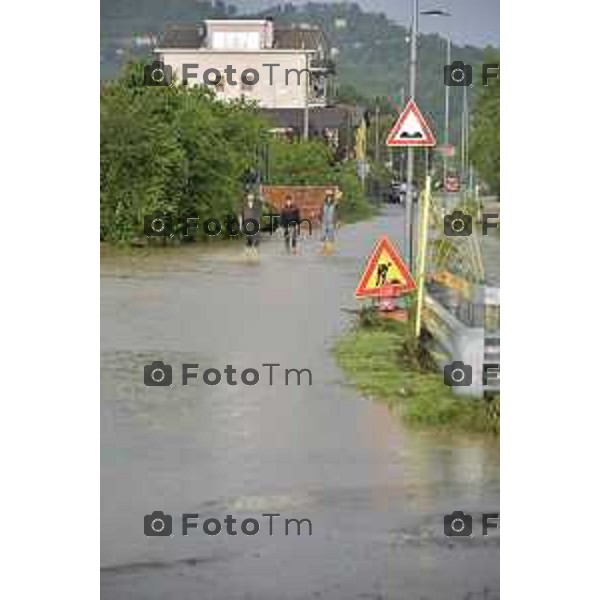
(290, 219)
(250, 225)
(329, 222)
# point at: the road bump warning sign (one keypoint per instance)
(385, 267)
(411, 129)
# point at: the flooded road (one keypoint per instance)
(375, 491)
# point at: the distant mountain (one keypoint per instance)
(130, 27)
(475, 22)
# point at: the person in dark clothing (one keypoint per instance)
(290, 221)
(250, 223)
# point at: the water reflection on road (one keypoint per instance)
(376, 492)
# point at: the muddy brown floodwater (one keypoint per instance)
(375, 491)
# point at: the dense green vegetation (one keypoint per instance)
(312, 163)
(383, 360)
(158, 153)
(179, 150)
(485, 130)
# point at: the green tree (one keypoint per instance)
(312, 163)
(174, 149)
(485, 131)
(299, 162)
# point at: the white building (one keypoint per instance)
(281, 58)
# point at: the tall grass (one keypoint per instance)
(383, 361)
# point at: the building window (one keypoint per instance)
(236, 40)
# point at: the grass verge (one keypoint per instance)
(383, 361)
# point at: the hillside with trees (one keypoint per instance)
(371, 52)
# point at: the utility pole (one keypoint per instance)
(401, 157)
(467, 129)
(412, 79)
(463, 146)
(377, 131)
(306, 88)
(422, 254)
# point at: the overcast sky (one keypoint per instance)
(475, 22)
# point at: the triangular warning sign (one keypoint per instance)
(385, 267)
(411, 129)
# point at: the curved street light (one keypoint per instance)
(440, 12)
(412, 92)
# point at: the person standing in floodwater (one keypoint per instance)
(250, 224)
(290, 219)
(329, 221)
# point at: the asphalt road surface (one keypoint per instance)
(375, 491)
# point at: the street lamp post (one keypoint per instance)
(377, 131)
(410, 158)
(447, 112)
(306, 93)
(412, 79)
(464, 136)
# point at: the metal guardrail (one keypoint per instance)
(452, 341)
(462, 296)
(466, 330)
(469, 313)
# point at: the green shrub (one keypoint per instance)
(383, 360)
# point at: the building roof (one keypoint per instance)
(299, 38)
(319, 118)
(183, 36)
(284, 38)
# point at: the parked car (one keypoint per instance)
(397, 192)
(395, 195)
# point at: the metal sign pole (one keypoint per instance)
(410, 150)
(422, 253)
